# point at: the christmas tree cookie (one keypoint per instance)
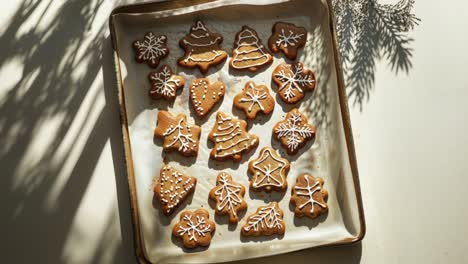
(172, 188)
(253, 99)
(249, 53)
(202, 48)
(229, 197)
(309, 197)
(230, 138)
(177, 133)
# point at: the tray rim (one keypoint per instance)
(344, 109)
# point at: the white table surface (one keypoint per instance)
(63, 189)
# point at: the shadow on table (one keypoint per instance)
(349, 254)
(53, 129)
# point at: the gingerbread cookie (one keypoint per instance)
(294, 131)
(288, 38)
(172, 188)
(229, 197)
(164, 83)
(177, 133)
(249, 53)
(268, 220)
(269, 171)
(204, 95)
(309, 197)
(151, 49)
(254, 99)
(202, 48)
(194, 228)
(230, 138)
(293, 81)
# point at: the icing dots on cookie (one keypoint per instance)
(230, 138)
(205, 95)
(253, 99)
(172, 188)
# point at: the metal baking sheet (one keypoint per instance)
(331, 156)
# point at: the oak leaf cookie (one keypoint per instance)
(229, 197)
(204, 95)
(293, 81)
(254, 99)
(230, 138)
(164, 83)
(172, 188)
(294, 131)
(177, 133)
(269, 171)
(202, 48)
(268, 220)
(249, 53)
(309, 197)
(194, 228)
(288, 38)
(151, 49)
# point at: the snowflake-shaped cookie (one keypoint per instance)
(269, 171)
(253, 99)
(294, 131)
(177, 133)
(194, 228)
(309, 197)
(268, 220)
(164, 83)
(293, 81)
(229, 197)
(151, 49)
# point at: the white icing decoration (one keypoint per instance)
(171, 197)
(268, 179)
(254, 98)
(202, 36)
(163, 82)
(230, 132)
(184, 139)
(268, 217)
(201, 44)
(199, 26)
(293, 80)
(245, 34)
(228, 194)
(191, 57)
(151, 48)
(290, 39)
(199, 228)
(309, 191)
(293, 131)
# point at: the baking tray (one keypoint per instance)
(331, 156)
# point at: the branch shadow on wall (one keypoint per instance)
(40, 203)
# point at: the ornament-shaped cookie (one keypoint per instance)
(172, 188)
(151, 49)
(194, 228)
(269, 171)
(268, 220)
(204, 95)
(202, 48)
(253, 99)
(294, 131)
(230, 138)
(293, 81)
(288, 38)
(229, 197)
(164, 83)
(309, 197)
(177, 133)
(249, 53)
